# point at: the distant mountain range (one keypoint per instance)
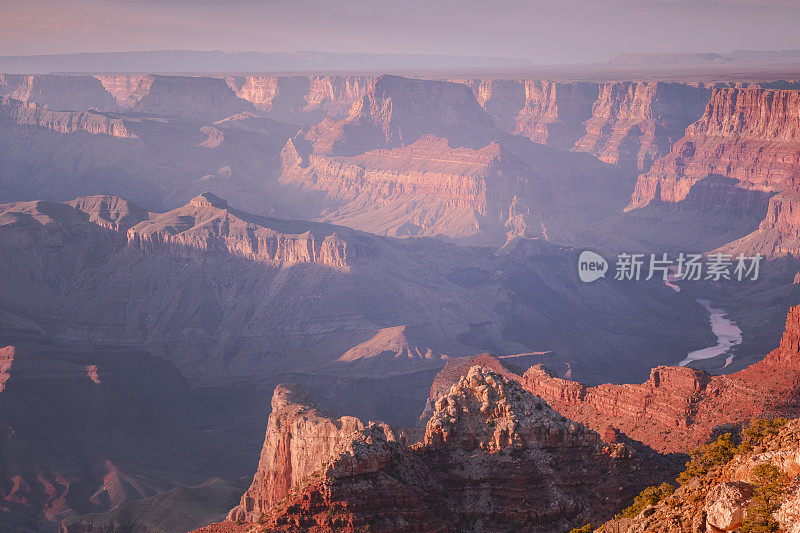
(216, 61)
(705, 58)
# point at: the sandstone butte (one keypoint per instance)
(493, 456)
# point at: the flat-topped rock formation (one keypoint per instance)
(59, 92)
(426, 188)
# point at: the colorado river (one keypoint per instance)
(727, 332)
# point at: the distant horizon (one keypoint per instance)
(794, 51)
(547, 32)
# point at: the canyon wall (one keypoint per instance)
(778, 235)
(635, 123)
(60, 92)
(426, 188)
(750, 135)
(127, 89)
(303, 100)
(623, 123)
(20, 113)
(554, 113)
(629, 123)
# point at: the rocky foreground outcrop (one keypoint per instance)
(681, 407)
(752, 487)
(493, 457)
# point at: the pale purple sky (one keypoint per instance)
(549, 31)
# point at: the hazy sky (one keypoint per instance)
(547, 31)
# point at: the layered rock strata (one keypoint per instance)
(493, 456)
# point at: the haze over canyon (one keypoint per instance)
(350, 301)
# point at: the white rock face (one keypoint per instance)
(726, 504)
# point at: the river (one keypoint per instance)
(727, 332)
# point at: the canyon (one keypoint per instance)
(175, 249)
(404, 156)
(223, 305)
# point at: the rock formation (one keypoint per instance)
(778, 235)
(554, 113)
(191, 97)
(625, 123)
(303, 100)
(33, 114)
(301, 441)
(750, 135)
(59, 92)
(680, 407)
(493, 456)
(501, 99)
(127, 89)
(402, 341)
(6, 362)
(426, 188)
(724, 497)
(636, 123)
(206, 224)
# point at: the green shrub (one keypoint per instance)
(758, 430)
(707, 457)
(770, 486)
(583, 529)
(649, 496)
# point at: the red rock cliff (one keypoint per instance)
(634, 123)
(301, 440)
(751, 135)
(494, 457)
(678, 407)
